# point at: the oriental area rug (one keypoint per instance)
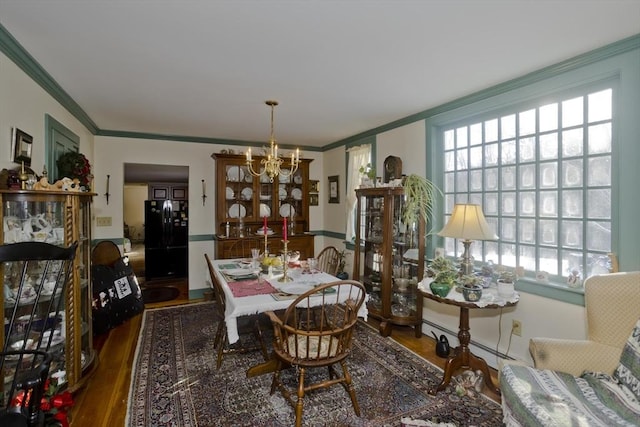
(175, 382)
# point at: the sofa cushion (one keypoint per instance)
(533, 397)
(628, 371)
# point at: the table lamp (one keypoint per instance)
(467, 222)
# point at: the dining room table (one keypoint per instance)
(248, 290)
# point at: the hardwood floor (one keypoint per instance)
(102, 402)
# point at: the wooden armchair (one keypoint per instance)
(328, 260)
(316, 330)
(247, 325)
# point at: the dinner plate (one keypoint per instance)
(246, 193)
(237, 211)
(287, 210)
(264, 178)
(229, 192)
(297, 179)
(235, 174)
(282, 193)
(260, 232)
(296, 193)
(248, 178)
(265, 210)
(296, 288)
(265, 197)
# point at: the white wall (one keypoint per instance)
(23, 104)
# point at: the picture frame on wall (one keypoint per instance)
(313, 200)
(21, 146)
(334, 189)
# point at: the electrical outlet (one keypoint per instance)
(516, 328)
(103, 221)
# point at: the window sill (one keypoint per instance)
(550, 290)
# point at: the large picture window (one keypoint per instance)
(543, 174)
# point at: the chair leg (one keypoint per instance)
(350, 389)
(276, 377)
(219, 332)
(221, 344)
(299, 403)
(258, 335)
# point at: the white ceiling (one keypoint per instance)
(338, 68)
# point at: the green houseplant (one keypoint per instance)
(420, 195)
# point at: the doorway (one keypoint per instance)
(156, 223)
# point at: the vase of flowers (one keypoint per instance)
(75, 165)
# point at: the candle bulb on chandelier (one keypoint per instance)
(264, 227)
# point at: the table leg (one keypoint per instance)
(463, 358)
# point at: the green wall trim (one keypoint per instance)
(197, 139)
(201, 237)
(27, 63)
(197, 293)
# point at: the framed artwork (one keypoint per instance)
(334, 192)
(313, 186)
(21, 145)
(313, 200)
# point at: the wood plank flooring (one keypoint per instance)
(102, 402)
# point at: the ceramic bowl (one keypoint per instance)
(471, 293)
(402, 283)
(440, 289)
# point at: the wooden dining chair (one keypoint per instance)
(241, 248)
(247, 325)
(328, 260)
(312, 334)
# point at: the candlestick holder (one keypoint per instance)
(285, 264)
(266, 247)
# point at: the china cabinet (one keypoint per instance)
(243, 201)
(60, 218)
(385, 257)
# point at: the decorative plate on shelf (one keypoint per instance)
(248, 177)
(265, 210)
(282, 193)
(296, 193)
(297, 179)
(235, 174)
(237, 211)
(287, 210)
(264, 178)
(246, 193)
(284, 177)
(229, 193)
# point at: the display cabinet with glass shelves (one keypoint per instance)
(382, 258)
(60, 218)
(244, 200)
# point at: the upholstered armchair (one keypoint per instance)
(612, 304)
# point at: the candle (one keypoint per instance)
(284, 229)
(297, 154)
(264, 227)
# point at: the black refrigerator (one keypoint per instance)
(165, 238)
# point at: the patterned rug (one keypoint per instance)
(175, 383)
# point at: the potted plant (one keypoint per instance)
(368, 175)
(471, 286)
(506, 283)
(420, 194)
(444, 276)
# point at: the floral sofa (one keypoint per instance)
(591, 382)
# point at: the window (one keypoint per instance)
(356, 157)
(543, 175)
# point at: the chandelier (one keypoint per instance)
(272, 164)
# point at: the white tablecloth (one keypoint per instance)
(244, 306)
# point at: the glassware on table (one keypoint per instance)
(312, 263)
(255, 255)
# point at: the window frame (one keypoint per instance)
(622, 71)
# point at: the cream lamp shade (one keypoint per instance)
(467, 222)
